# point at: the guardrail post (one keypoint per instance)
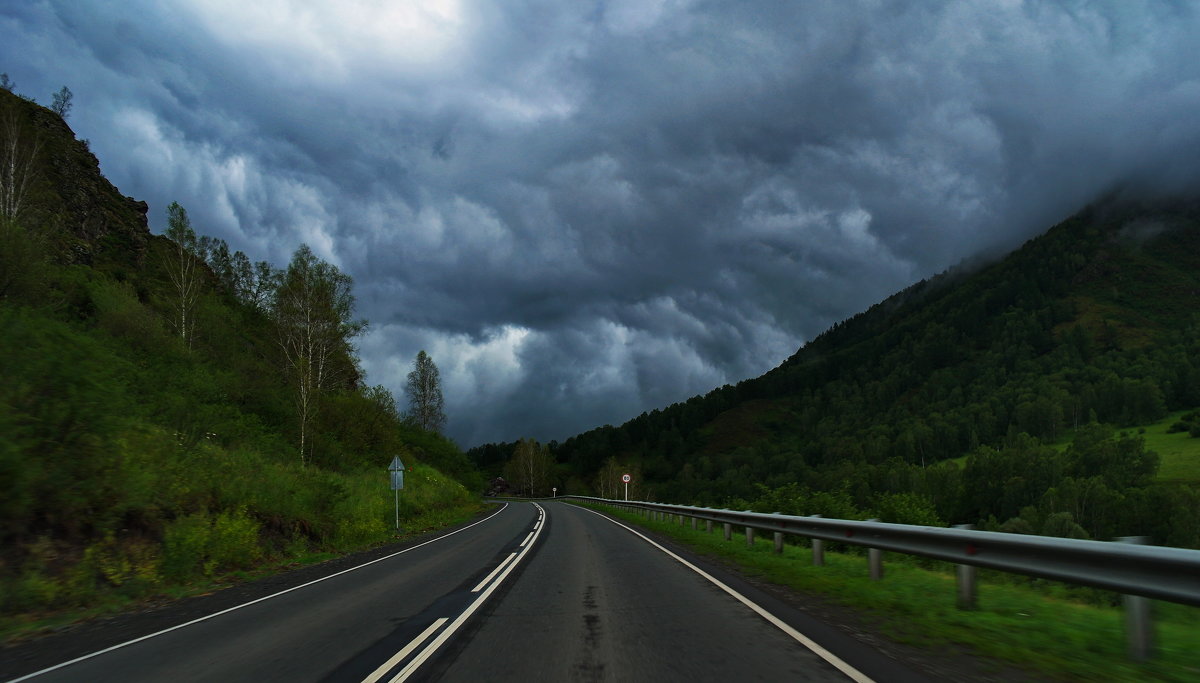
(749, 537)
(778, 539)
(694, 520)
(967, 589)
(875, 560)
(818, 550)
(728, 531)
(708, 525)
(1139, 622)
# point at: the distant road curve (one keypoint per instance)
(536, 592)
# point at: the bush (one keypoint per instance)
(185, 542)
(906, 508)
(197, 542)
(1062, 525)
(232, 542)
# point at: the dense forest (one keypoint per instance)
(1005, 395)
(171, 411)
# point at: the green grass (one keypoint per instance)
(1180, 452)
(1054, 630)
(14, 627)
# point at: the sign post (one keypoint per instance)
(626, 478)
(554, 491)
(396, 469)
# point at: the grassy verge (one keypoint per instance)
(1039, 626)
(220, 518)
(15, 627)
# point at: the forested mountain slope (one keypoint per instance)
(1095, 322)
(150, 421)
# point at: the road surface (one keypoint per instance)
(535, 592)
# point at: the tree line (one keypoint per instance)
(1086, 328)
(311, 304)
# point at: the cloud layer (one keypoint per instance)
(584, 212)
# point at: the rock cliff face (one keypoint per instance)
(87, 219)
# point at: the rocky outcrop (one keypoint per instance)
(85, 216)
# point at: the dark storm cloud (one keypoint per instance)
(587, 212)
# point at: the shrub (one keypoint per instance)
(185, 542)
(906, 508)
(232, 542)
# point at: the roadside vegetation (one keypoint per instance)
(1061, 631)
(172, 415)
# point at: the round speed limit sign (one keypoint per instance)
(626, 478)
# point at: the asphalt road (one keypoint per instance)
(548, 592)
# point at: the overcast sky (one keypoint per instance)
(585, 210)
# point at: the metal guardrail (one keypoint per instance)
(1163, 573)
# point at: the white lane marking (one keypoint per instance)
(247, 604)
(493, 573)
(462, 618)
(387, 666)
(851, 672)
(531, 533)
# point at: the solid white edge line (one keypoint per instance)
(382, 670)
(531, 533)
(493, 573)
(442, 637)
(247, 604)
(804, 640)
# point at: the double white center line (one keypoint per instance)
(487, 586)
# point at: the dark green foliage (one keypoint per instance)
(1095, 321)
(133, 454)
(1189, 423)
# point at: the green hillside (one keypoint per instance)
(1096, 322)
(150, 434)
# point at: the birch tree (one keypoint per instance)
(183, 267)
(61, 102)
(17, 158)
(530, 468)
(425, 394)
(313, 309)
(609, 484)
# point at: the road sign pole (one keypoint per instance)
(396, 470)
(626, 491)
